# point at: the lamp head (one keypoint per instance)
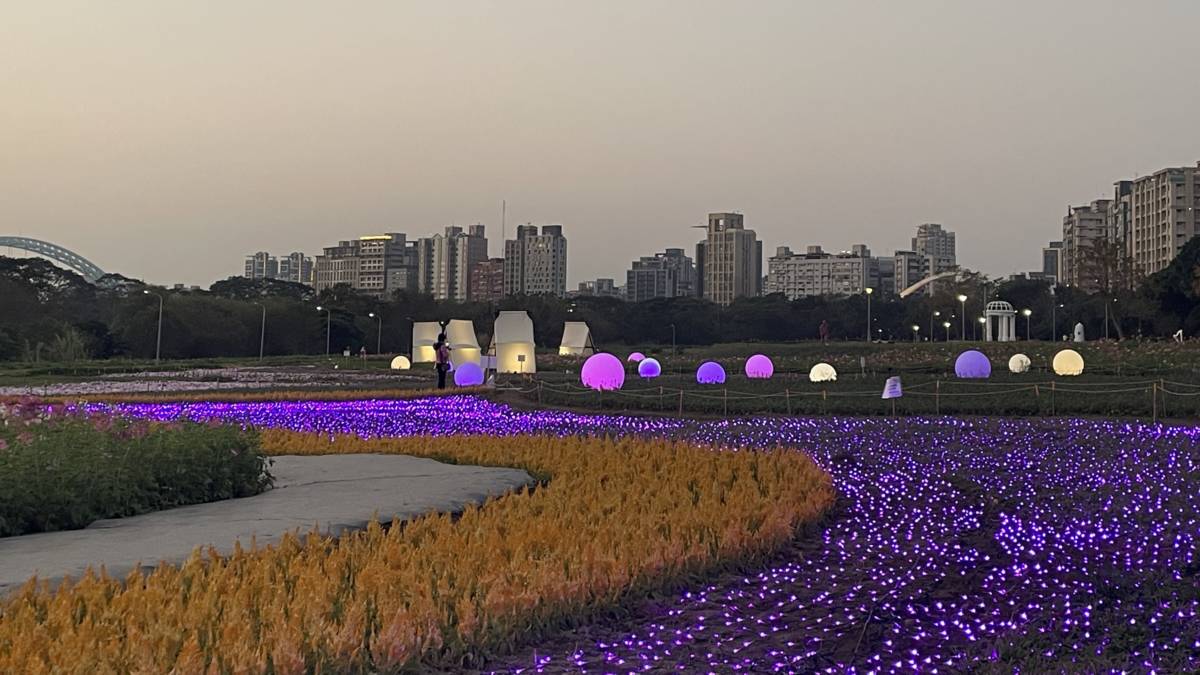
(869, 290)
(982, 320)
(962, 298)
(320, 308)
(1027, 312)
(371, 314)
(945, 324)
(145, 291)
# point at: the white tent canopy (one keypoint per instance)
(512, 343)
(576, 340)
(424, 337)
(464, 346)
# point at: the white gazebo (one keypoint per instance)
(1005, 318)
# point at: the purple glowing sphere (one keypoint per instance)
(759, 367)
(972, 364)
(636, 357)
(468, 375)
(603, 372)
(649, 368)
(710, 372)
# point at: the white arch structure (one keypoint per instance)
(85, 267)
(926, 281)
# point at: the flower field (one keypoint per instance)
(617, 518)
(956, 545)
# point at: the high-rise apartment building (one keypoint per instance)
(731, 260)
(600, 288)
(487, 281)
(936, 247)
(1164, 214)
(816, 272)
(445, 262)
(296, 268)
(536, 264)
(668, 274)
(261, 265)
(1052, 261)
(1083, 228)
(375, 264)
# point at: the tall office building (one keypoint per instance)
(375, 264)
(936, 247)
(1083, 227)
(445, 262)
(731, 259)
(816, 272)
(668, 274)
(296, 268)
(1164, 215)
(261, 265)
(1052, 261)
(536, 264)
(487, 281)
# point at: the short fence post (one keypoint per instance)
(1162, 387)
(937, 397)
(681, 403)
(1052, 410)
(1154, 401)
(726, 402)
(660, 397)
(787, 395)
(539, 392)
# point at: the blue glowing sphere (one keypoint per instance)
(468, 375)
(710, 372)
(649, 368)
(973, 364)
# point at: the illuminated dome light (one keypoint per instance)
(822, 372)
(710, 372)
(401, 363)
(603, 372)
(1019, 363)
(759, 367)
(1068, 362)
(468, 375)
(973, 365)
(636, 357)
(649, 369)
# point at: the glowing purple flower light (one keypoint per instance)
(759, 367)
(603, 372)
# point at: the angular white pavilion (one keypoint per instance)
(576, 340)
(512, 343)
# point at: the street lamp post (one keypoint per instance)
(262, 332)
(328, 325)
(931, 316)
(916, 333)
(1028, 313)
(378, 332)
(674, 354)
(158, 341)
(982, 321)
(962, 301)
(946, 325)
(869, 291)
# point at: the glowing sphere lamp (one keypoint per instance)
(636, 357)
(401, 363)
(759, 367)
(649, 368)
(822, 372)
(973, 365)
(710, 372)
(1019, 363)
(1068, 362)
(603, 372)
(468, 375)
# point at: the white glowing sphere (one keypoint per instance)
(822, 372)
(1019, 363)
(401, 363)
(1068, 362)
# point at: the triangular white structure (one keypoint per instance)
(424, 337)
(576, 340)
(464, 346)
(512, 343)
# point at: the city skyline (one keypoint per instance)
(614, 120)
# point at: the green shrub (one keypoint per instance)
(64, 471)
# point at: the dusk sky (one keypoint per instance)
(165, 140)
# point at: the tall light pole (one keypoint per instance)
(916, 333)
(869, 291)
(411, 322)
(962, 301)
(982, 322)
(674, 352)
(946, 325)
(1028, 313)
(328, 325)
(378, 332)
(158, 342)
(262, 331)
(935, 313)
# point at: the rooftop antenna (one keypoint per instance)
(503, 220)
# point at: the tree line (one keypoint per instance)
(48, 313)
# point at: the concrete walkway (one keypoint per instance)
(332, 492)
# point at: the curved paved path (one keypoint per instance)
(332, 492)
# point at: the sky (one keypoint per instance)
(167, 139)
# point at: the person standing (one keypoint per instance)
(442, 360)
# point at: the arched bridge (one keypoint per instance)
(80, 264)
